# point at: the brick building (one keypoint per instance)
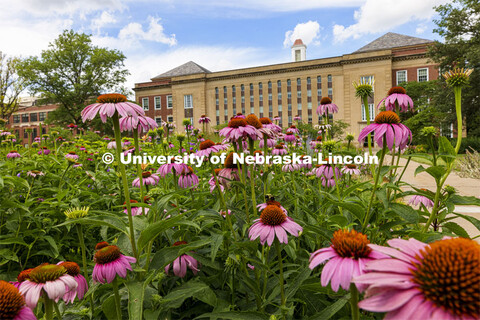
(29, 116)
(288, 89)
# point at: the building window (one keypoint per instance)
(25, 133)
(446, 130)
(330, 92)
(158, 120)
(299, 106)
(422, 74)
(319, 79)
(269, 84)
(309, 93)
(401, 76)
(170, 118)
(188, 101)
(289, 83)
(279, 108)
(299, 82)
(25, 117)
(309, 106)
(234, 90)
(329, 78)
(42, 116)
(169, 102)
(158, 103)
(145, 104)
(371, 109)
(33, 117)
(297, 55)
(309, 80)
(16, 118)
(299, 94)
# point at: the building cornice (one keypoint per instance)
(410, 57)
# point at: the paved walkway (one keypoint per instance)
(464, 186)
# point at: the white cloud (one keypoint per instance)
(376, 16)
(421, 28)
(309, 32)
(133, 32)
(104, 19)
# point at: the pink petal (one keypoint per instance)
(329, 270)
(389, 300)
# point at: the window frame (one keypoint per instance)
(169, 117)
(170, 103)
(148, 104)
(185, 106)
(158, 117)
(406, 76)
(155, 102)
(418, 74)
(371, 106)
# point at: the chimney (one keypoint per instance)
(299, 51)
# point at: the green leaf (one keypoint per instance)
(217, 240)
(235, 315)
(436, 171)
(356, 209)
(464, 200)
(419, 169)
(109, 309)
(406, 212)
(446, 150)
(297, 282)
(7, 255)
(332, 309)
(155, 229)
(98, 221)
(53, 245)
(193, 288)
(457, 229)
(470, 219)
(136, 295)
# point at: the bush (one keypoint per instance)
(468, 143)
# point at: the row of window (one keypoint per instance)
(158, 120)
(157, 101)
(29, 117)
(422, 75)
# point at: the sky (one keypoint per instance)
(158, 35)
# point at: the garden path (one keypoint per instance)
(464, 186)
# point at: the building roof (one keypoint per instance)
(298, 42)
(185, 69)
(392, 40)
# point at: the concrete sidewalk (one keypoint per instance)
(464, 187)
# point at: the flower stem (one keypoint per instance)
(139, 170)
(118, 307)
(118, 139)
(354, 301)
(377, 176)
(282, 288)
(48, 307)
(84, 260)
(367, 113)
(251, 143)
(458, 107)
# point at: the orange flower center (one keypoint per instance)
(107, 254)
(237, 122)
(396, 90)
(13, 151)
(202, 116)
(319, 138)
(387, 117)
(229, 162)
(258, 152)
(449, 276)
(146, 174)
(217, 171)
(102, 244)
(73, 268)
(179, 243)
(325, 100)
(46, 272)
(265, 120)
(22, 276)
(124, 207)
(206, 144)
(273, 203)
(279, 146)
(351, 166)
(72, 152)
(253, 121)
(272, 215)
(350, 244)
(111, 98)
(11, 301)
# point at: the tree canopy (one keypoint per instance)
(11, 85)
(72, 72)
(459, 25)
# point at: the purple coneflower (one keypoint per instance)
(279, 150)
(34, 173)
(326, 106)
(208, 146)
(387, 126)
(432, 281)
(13, 154)
(140, 122)
(239, 116)
(273, 223)
(269, 202)
(238, 128)
(222, 213)
(351, 169)
(181, 263)
(297, 118)
(136, 211)
(267, 123)
(289, 137)
(77, 165)
(293, 129)
(12, 303)
(270, 143)
(109, 262)
(148, 179)
(108, 104)
(82, 148)
(304, 164)
(188, 178)
(167, 168)
(72, 155)
(418, 200)
(44, 151)
(229, 172)
(397, 95)
(346, 259)
(5, 133)
(48, 279)
(290, 167)
(73, 269)
(22, 276)
(204, 119)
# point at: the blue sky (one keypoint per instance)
(162, 34)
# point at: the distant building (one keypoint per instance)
(288, 89)
(29, 116)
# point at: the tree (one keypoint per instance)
(72, 72)
(459, 25)
(11, 85)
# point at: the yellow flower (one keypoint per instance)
(75, 213)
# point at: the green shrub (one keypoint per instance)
(468, 143)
